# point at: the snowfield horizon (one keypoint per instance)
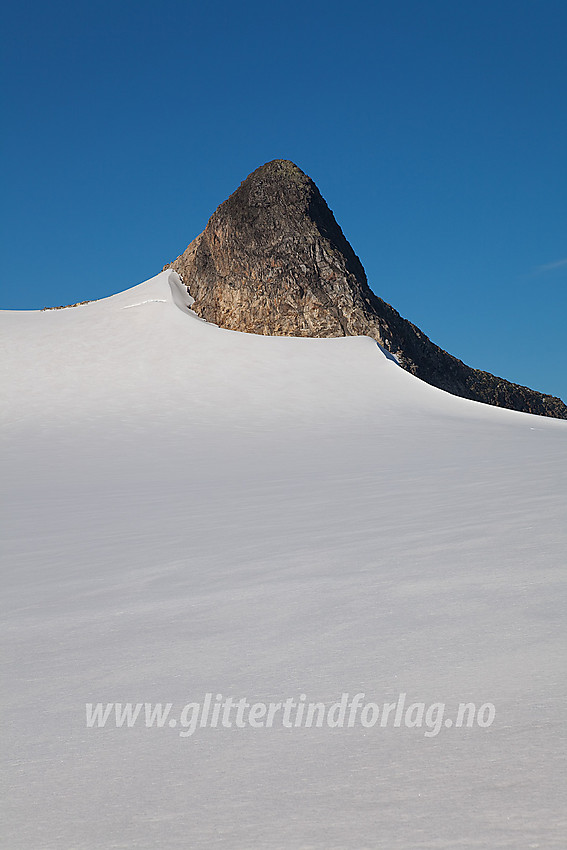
(187, 505)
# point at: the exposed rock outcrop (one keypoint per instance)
(273, 260)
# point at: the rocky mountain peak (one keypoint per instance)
(273, 260)
(278, 202)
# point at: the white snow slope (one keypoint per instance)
(191, 510)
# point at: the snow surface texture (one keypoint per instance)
(190, 510)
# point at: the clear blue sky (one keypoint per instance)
(436, 131)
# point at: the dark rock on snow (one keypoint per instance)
(273, 260)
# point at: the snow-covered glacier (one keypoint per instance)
(191, 511)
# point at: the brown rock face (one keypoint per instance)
(273, 260)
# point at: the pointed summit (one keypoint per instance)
(273, 260)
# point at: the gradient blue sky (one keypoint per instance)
(436, 131)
